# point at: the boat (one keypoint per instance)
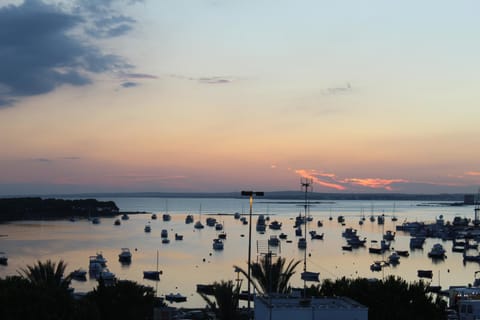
(164, 233)
(347, 247)
(178, 237)
(244, 220)
(152, 275)
(189, 219)
(3, 259)
(147, 228)
(298, 231)
(341, 219)
(236, 215)
(217, 244)
(394, 258)
(319, 223)
(125, 255)
(417, 242)
(389, 235)
(165, 240)
(384, 246)
(117, 222)
(261, 226)
(275, 225)
(273, 241)
(372, 218)
(314, 235)
(211, 222)
(376, 266)
(175, 297)
(79, 275)
(166, 217)
(125, 216)
(437, 251)
(222, 235)
(106, 275)
(99, 258)
(425, 274)
(356, 242)
(310, 276)
(381, 219)
(198, 225)
(154, 216)
(302, 243)
(96, 220)
(403, 253)
(218, 226)
(349, 233)
(283, 236)
(208, 289)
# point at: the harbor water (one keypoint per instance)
(191, 261)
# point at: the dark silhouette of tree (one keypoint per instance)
(47, 274)
(271, 276)
(40, 292)
(391, 298)
(123, 300)
(225, 303)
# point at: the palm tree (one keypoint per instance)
(273, 277)
(226, 296)
(47, 274)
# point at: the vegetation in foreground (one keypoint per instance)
(41, 291)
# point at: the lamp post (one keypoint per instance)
(250, 194)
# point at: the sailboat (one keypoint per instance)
(394, 217)
(152, 275)
(198, 224)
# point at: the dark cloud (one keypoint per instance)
(140, 76)
(129, 84)
(205, 80)
(44, 46)
(214, 80)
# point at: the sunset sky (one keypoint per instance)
(225, 95)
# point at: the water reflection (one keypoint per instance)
(191, 261)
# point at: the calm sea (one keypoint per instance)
(192, 261)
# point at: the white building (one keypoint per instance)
(288, 307)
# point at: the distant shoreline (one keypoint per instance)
(273, 195)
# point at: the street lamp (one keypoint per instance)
(250, 194)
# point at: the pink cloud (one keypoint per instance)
(312, 175)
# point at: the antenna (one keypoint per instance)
(306, 184)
